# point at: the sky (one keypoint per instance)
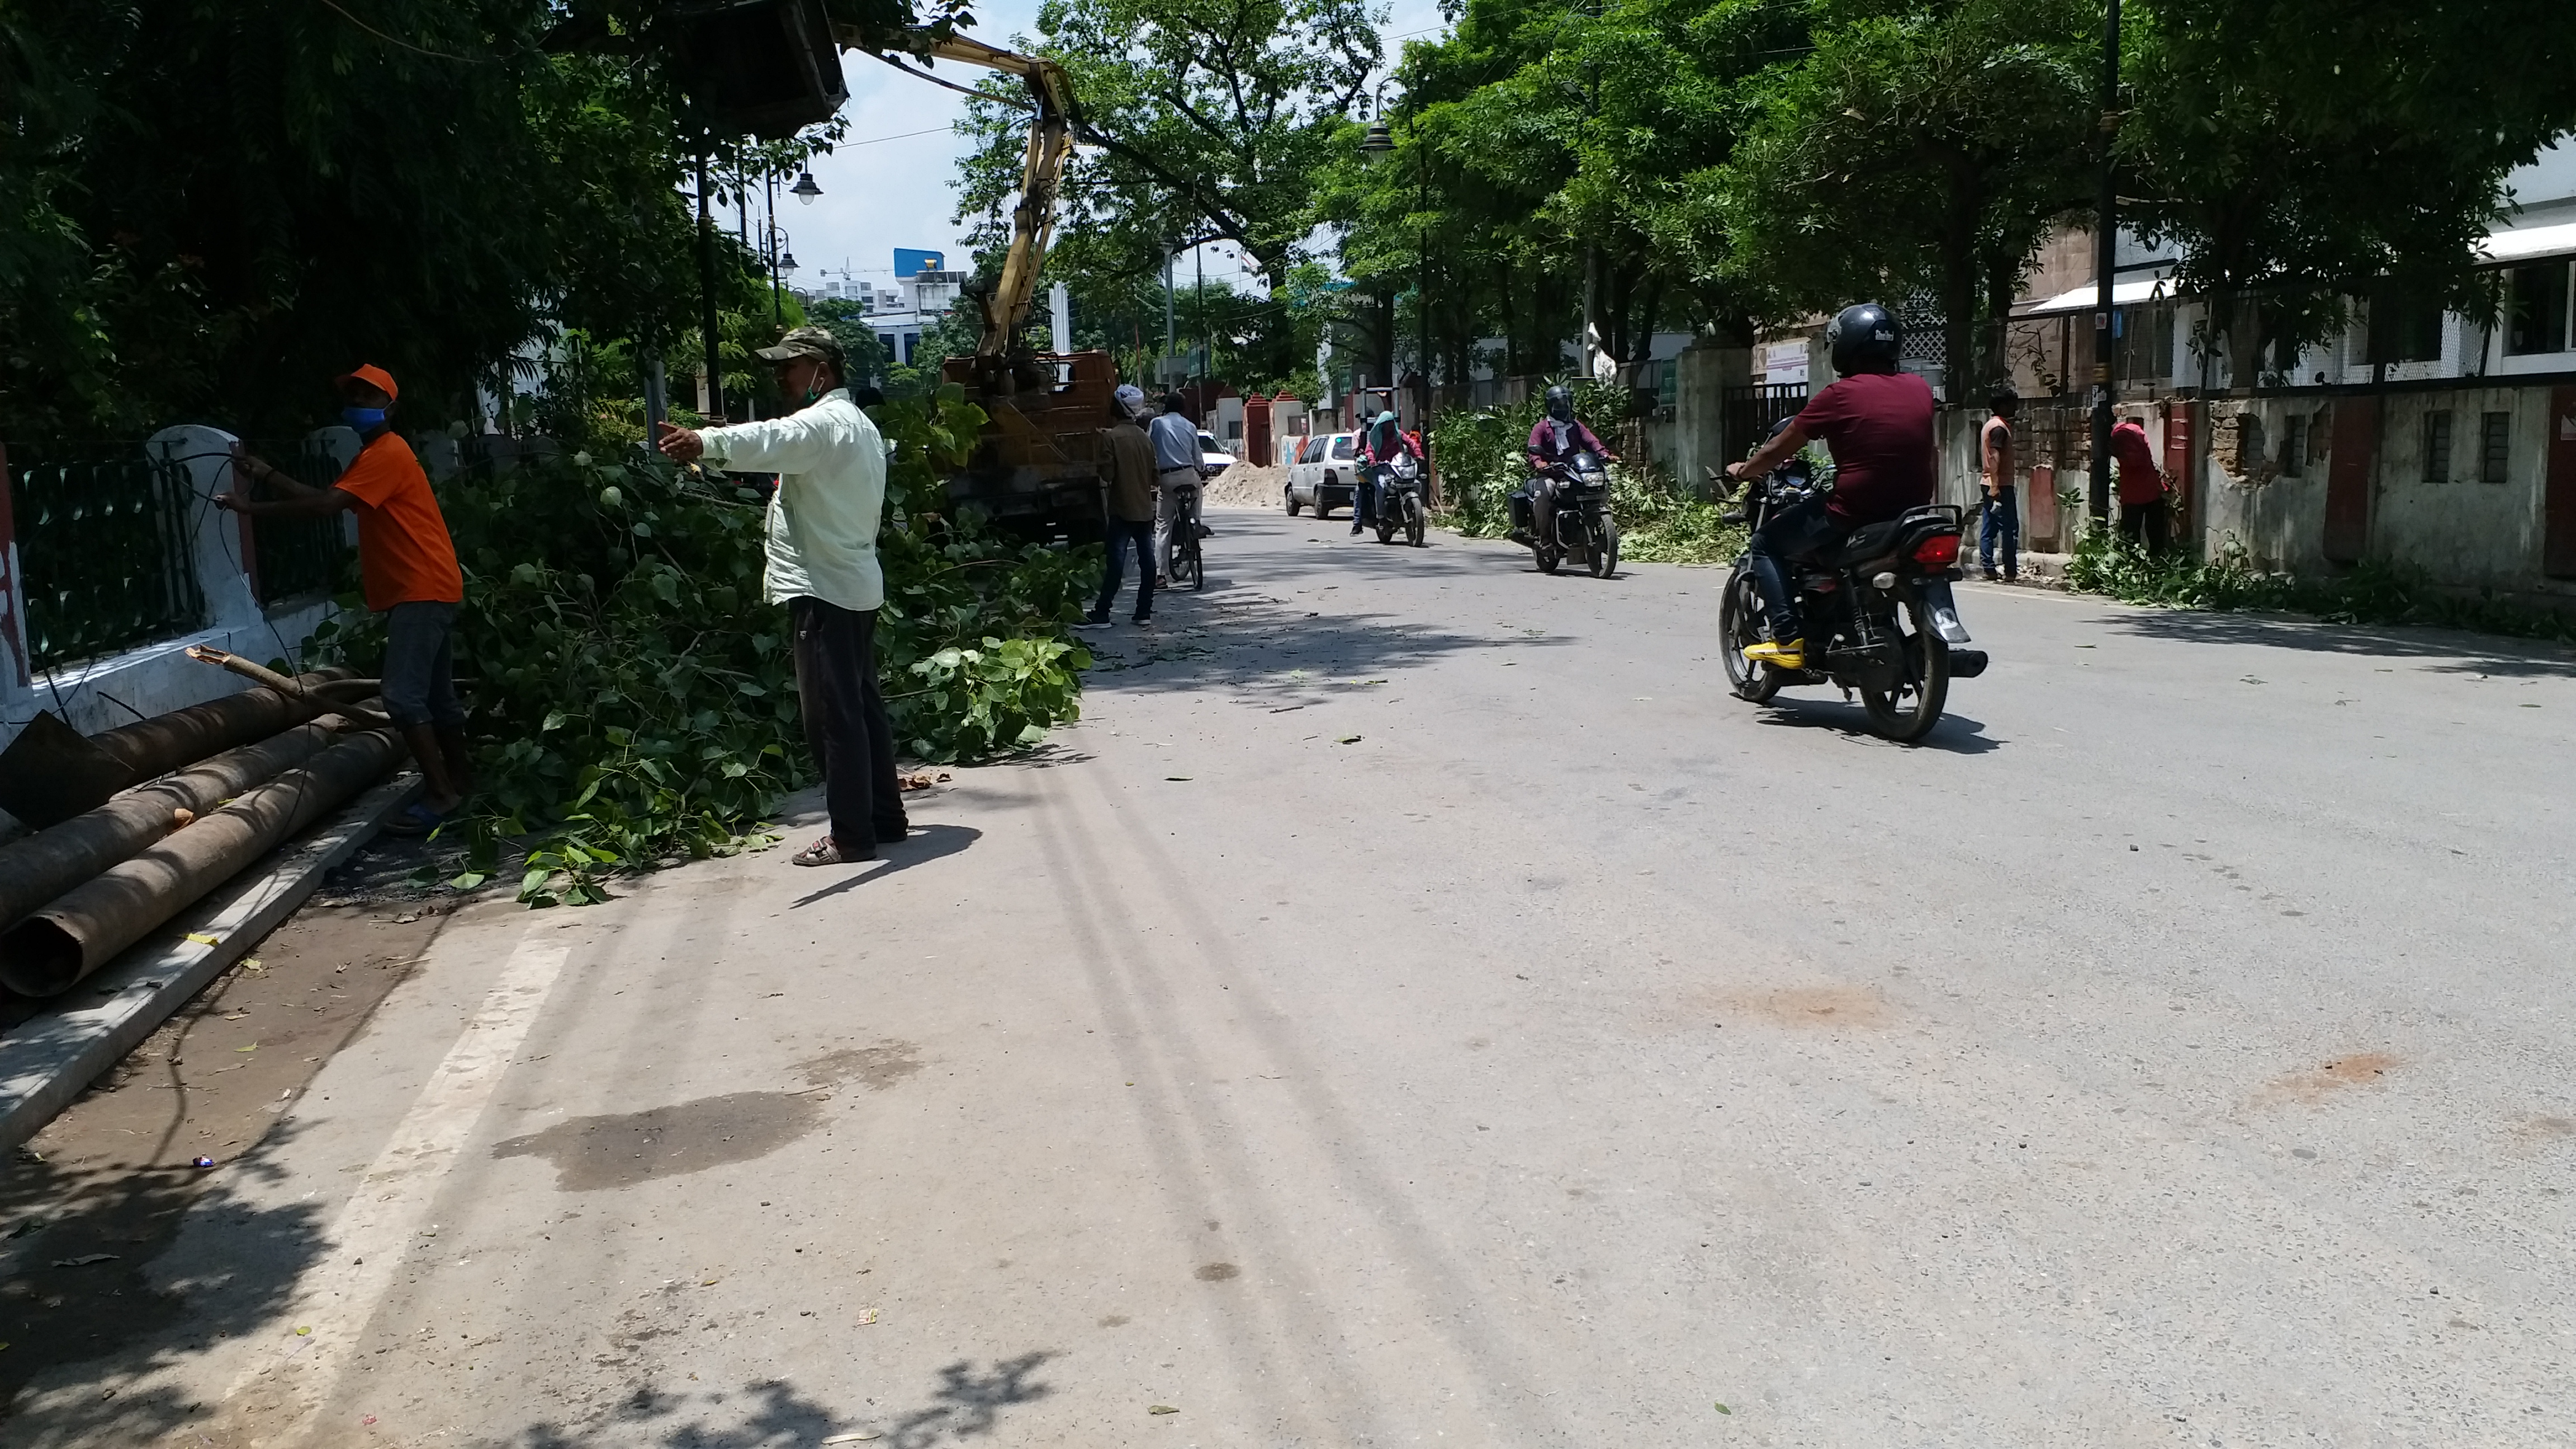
(889, 186)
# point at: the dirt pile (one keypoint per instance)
(1246, 485)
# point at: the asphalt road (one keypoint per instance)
(1417, 1005)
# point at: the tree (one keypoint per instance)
(2299, 155)
(1918, 147)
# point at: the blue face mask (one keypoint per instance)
(362, 418)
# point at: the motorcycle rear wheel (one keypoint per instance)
(1908, 712)
(1605, 549)
(1753, 683)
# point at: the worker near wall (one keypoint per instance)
(2143, 509)
(407, 566)
(822, 555)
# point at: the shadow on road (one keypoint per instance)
(78, 1289)
(926, 844)
(1257, 626)
(2449, 651)
(1956, 733)
(967, 1404)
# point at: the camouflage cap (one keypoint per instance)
(816, 342)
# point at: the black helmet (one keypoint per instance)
(1864, 337)
(1560, 403)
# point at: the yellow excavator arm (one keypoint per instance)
(1033, 217)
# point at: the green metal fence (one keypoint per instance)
(299, 555)
(105, 547)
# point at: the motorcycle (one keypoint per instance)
(1585, 533)
(1881, 619)
(1399, 498)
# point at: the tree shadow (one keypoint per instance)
(1250, 630)
(966, 1404)
(90, 1337)
(2447, 651)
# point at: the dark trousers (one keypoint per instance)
(2003, 523)
(1799, 532)
(1123, 536)
(2144, 524)
(1363, 498)
(845, 722)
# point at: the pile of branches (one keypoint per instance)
(634, 697)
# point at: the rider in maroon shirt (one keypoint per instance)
(1878, 423)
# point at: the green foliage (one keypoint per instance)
(2374, 592)
(634, 697)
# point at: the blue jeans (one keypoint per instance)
(2003, 520)
(1799, 532)
(420, 665)
(1124, 535)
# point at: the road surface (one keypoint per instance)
(1417, 1005)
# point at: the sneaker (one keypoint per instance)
(1792, 655)
(1206, 532)
(1089, 623)
(1993, 578)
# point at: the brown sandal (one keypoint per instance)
(827, 851)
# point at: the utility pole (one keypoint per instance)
(1207, 354)
(1169, 346)
(2106, 258)
(707, 320)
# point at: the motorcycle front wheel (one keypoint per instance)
(1413, 521)
(1736, 629)
(1909, 711)
(1605, 548)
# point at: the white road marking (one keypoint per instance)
(336, 1298)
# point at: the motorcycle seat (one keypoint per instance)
(1869, 541)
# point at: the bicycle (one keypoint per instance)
(1188, 564)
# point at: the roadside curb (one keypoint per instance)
(44, 1068)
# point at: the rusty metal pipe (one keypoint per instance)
(85, 929)
(52, 861)
(51, 772)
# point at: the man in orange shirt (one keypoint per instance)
(407, 564)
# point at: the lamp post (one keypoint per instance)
(1378, 142)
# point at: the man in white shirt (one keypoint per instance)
(822, 549)
(1176, 463)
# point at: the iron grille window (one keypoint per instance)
(2437, 446)
(2294, 445)
(2495, 446)
(2536, 321)
(299, 555)
(106, 546)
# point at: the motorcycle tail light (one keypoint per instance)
(1938, 552)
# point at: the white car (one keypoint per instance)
(1213, 458)
(1325, 475)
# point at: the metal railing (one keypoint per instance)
(299, 556)
(106, 548)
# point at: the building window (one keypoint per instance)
(2294, 445)
(2146, 342)
(2249, 442)
(2495, 446)
(2404, 328)
(2536, 320)
(2437, 446)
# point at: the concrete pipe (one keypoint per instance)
(50, 862)
(49, 951)
(51, 773)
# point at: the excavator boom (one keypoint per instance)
(1050, 146)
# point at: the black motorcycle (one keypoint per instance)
(1584, 531)
(1399, 498)
(1881, 620)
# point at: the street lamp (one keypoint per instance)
(1378, 141)
(787, 264)
(805, 190)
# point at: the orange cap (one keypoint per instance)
(375, 377)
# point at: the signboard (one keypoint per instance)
(911, 262)
(1784, 362)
